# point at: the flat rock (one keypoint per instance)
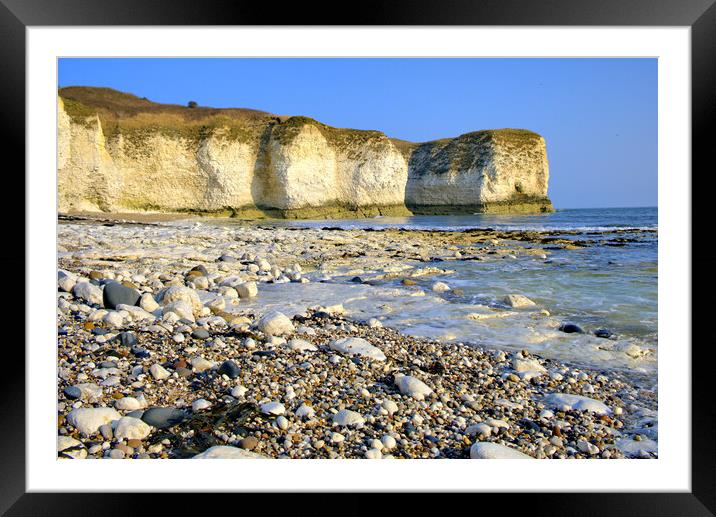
(305, 411)
(136, 313)
(518, 301)
(348, 418)
(199, 364)
(273, 408)
(495, 451)
(576, 403)
(128, 404)
(357, 346)
(65, 442)
(634, 447)
(200, 405)
(481, 429)
(65, 281)
(301, 345)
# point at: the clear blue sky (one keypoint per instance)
(599, 116)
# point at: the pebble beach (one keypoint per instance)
(199, 339)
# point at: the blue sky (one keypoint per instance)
(598, 116)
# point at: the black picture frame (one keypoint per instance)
(17, 15)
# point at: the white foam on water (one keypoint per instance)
(433, 317)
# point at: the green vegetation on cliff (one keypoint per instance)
(136, 118)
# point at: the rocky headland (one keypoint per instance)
(121, 153)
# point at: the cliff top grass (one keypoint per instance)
(108, 101)
(137, 118)
(340, 137)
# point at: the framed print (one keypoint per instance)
(432, 236)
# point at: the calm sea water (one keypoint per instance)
(601, 286)
(584, 219)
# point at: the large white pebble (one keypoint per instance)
(88, 420)
(347, 418)
(490, 451)
(412, 386)
(567, 401)
(388, 442)
(282, 423)
(373, 454)
(305, 411)
(227, 452)
(273, 408)
(275, 323)
(390, 406)
(148, 303)
(440, 287)
(159, 372)
(200, 404)
(88, 292)
(130, 428)
(357, 346)
(247, 290)
(128, 404)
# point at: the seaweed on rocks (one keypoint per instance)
(197, 432)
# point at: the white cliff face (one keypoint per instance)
(515, 169)
(373, 175)
(161, 174)
(87, 179)
(304, 172)
(229, 169)
(301, 169)
(484, 171)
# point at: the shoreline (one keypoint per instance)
(467, 381)
(496, 403)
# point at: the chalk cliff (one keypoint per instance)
(120, 153)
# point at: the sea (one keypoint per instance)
(610, 285)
